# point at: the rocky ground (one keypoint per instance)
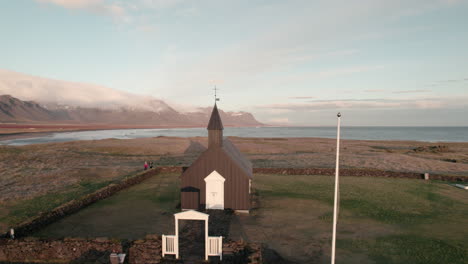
(31, 170)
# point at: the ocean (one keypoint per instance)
(430, 134)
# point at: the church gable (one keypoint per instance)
(214, 159)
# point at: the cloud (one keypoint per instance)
(347, 70)
(147, 28)
(418, 103)
(116, 10)
(332, 72)
(125, 11)
(302, 97)
(411, 91)
(272, 44)
(451, 2)
(278, 121)
(448, 82)
(374, 91)
(74, 4)
(52, 92)
(397, 92)
(160, 4)
(453, 80)
(277, 111)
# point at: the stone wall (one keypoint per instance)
(239, 252)
(57, 251)
(147, 251)
(345, 172)
(255, 253)
(357, 173)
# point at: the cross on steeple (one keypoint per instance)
(215, 94)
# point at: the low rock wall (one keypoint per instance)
(255, 253)
(147, 251)
(344, 172)
(57, 251)
(240, 252)
(357, 173)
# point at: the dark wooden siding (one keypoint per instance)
(236, 186)
(215, 138)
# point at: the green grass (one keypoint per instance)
(412, 248)
(19, 211)
(382, 220)
(406, 221)
(132, 213)
(161, 190)
(393, 201)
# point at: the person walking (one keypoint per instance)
(146, 165)
(151, 165)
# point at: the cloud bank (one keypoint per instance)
(416, 103)
(95, 6)
(55, 92)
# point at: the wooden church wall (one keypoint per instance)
(236, 186)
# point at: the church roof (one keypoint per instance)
(215, 120)
(238, 158)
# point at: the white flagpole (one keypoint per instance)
(335, 206)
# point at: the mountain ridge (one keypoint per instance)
(46, 100)
(14, 110)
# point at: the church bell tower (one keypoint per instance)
(215, 129)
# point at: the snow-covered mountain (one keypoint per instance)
(37, 99)
(72, 94)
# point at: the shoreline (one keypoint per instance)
(10, 131)
(42, 130)
(6, 136)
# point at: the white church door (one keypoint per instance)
(214, 191)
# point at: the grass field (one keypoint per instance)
(381, 220)
(143, 209)
(14, 212)
(38, 177)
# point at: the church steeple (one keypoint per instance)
(215, 129)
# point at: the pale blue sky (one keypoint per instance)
(297, 62)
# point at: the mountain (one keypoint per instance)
(229, 118)
(15, 110)
(56, 93)
(38, 99)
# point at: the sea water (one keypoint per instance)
(431, 134)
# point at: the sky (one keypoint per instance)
(380, 63)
